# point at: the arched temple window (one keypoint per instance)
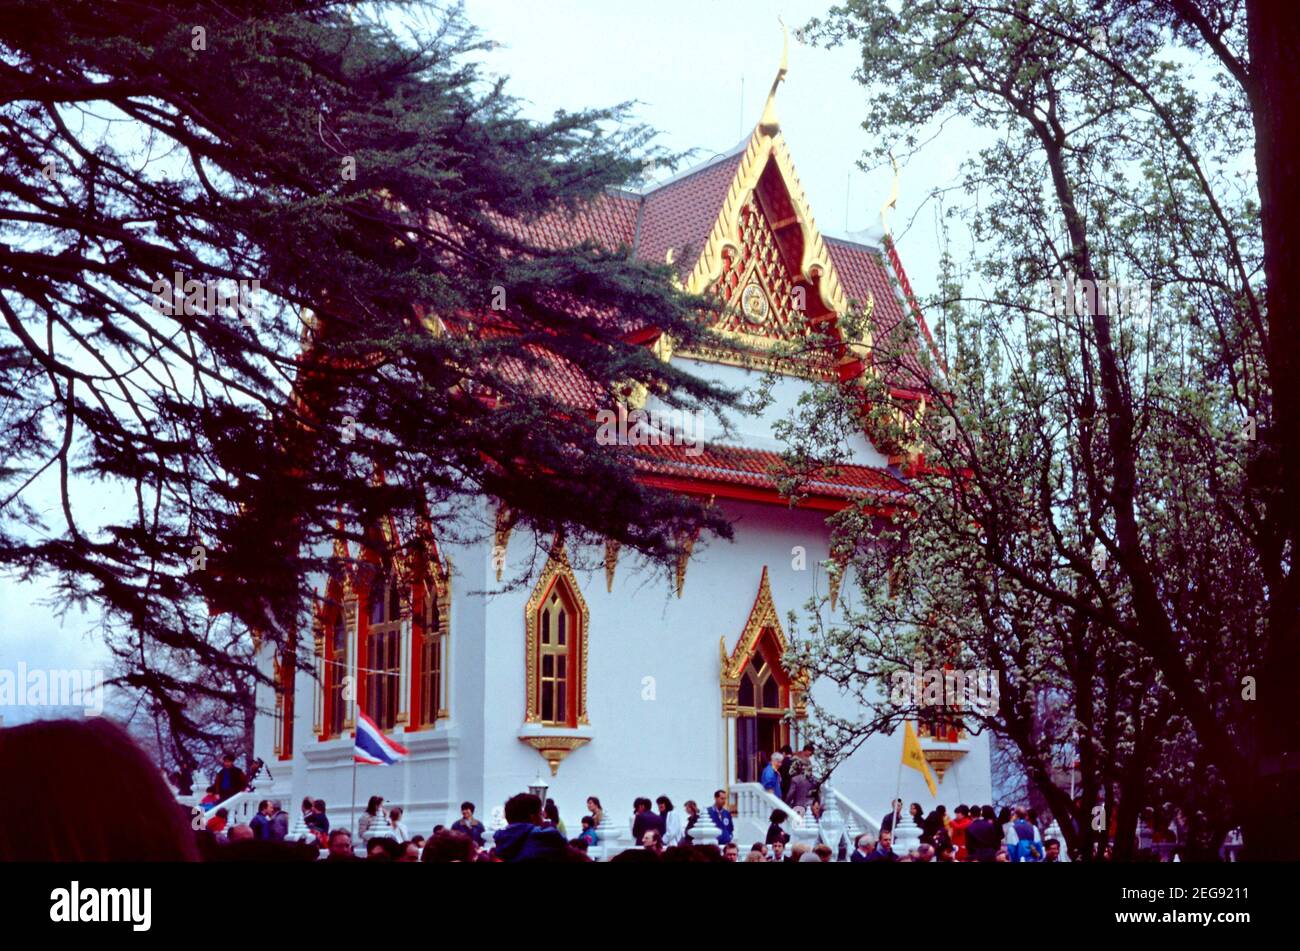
(556, 622)
(431, 656)
(335, 672)
(286, 678)
(383, 653)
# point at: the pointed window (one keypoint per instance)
(286, 673)
(383, 662)
(556, 655)
(431, 694)
(336, 674)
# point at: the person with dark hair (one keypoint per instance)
(374, 821)
(217, 824)
(251, 850)
(1052, 851)
(895, 813)
(450, 845)
(1029, 846)
(721, 817)
(637, 855)
(261, 822)
(934, 830)
(417, 841)
(731, 852)
(468, 825)
(917, 815)
(983, 837)
(551, 812)
(525, 838)
(47, 815)
(673, 828)
(644, 820)
(319, 823)
(395, 823)
(945, 853)
(231, 780)
(1006, 832)
(589, 833)
(774, 831)
(340, 847)
(410, 852)
(787, 760)
(579, 843)
(306, 809)
(277, 822)
(597, 813)
(884, 850)
(961, 821)
(692, 817)
(382, 849)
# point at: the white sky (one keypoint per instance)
(699, 71)
(684, 63)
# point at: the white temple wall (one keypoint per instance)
(755, 431)
(663, 735)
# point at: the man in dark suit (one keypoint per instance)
(884, 850)
(230, 780)
(865, 845)
(261, 823)
(278, 822)
(983, 837)
(646, 820)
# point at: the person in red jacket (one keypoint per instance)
(961, 819)
(218, 822)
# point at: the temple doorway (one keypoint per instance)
(761, 728)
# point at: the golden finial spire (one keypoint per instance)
(892, 202)
(769, 124)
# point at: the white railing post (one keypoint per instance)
(705, 831)
(832, 827)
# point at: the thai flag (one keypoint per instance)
(372, 747)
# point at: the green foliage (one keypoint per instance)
(1084, 519)
(367, 177)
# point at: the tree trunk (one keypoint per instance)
(1272, 825)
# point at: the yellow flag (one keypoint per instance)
(913, 757)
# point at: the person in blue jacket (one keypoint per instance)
(722, 818)
(771, 778)
(525, 839)
(589, 834)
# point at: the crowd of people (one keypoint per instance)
(534, 832)
(140, 820)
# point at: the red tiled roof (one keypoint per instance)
(557, 378)
(761, 469)
(608, 220)
(863, 272)
(680, 213)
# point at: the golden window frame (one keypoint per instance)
(557, 569)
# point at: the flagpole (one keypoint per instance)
(898, 788)
(356, 725)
